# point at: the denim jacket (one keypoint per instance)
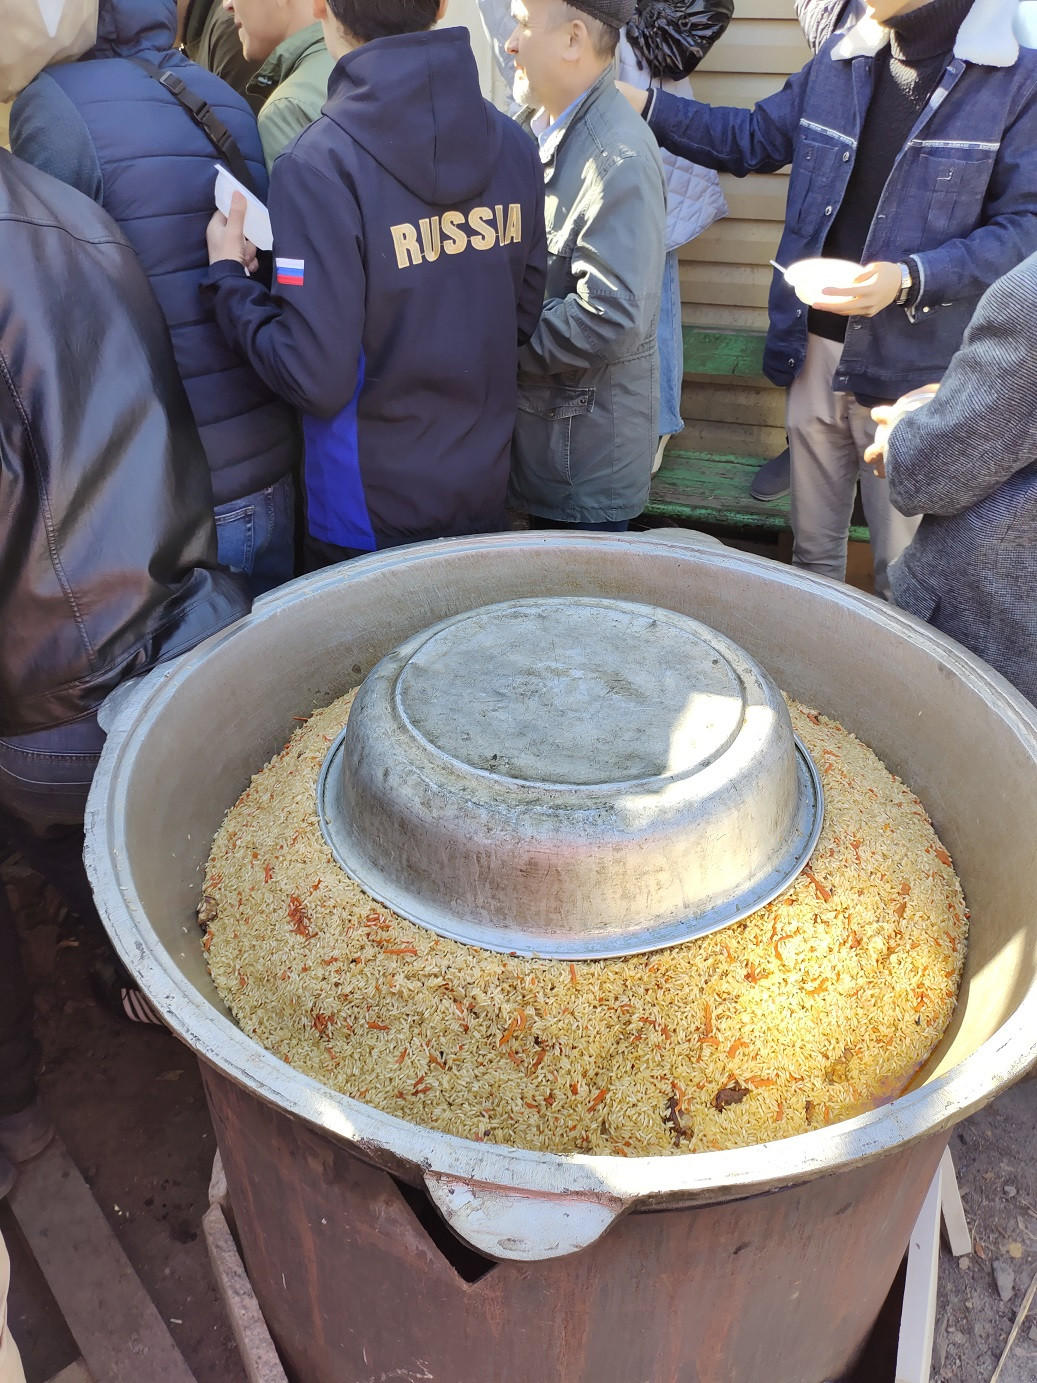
(961, 200)
(820, 19)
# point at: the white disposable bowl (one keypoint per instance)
(810, 277)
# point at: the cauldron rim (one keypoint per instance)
(414, 1152)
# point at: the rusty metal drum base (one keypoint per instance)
(779, 1288)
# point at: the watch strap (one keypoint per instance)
(907, 282)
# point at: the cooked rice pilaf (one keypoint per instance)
(816, 1007)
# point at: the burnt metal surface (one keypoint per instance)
(781, 1288)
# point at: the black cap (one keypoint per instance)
(614, 13)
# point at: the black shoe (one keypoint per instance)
(773, 479)
(114, 990)
(26, 1133)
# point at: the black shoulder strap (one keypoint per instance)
(205, 117)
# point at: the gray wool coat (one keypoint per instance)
(968, 463)
(586, 429)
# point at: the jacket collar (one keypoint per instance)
(601, 86)
(287, 56)
(990, 36)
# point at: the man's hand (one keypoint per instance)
(637, 98)
(887, 419)
(225, 236)
(874, 288)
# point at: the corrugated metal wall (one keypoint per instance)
(725, 273)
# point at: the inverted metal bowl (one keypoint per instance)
(570, 777)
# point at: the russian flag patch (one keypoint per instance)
(291, 271)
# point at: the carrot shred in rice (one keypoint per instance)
(655, 1034)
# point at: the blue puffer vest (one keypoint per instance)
(156, 181)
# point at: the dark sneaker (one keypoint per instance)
(26, 1133)
(772, 480)
(114, 990)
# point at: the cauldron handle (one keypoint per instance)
(505, 1223)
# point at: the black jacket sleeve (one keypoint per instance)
(303, 339)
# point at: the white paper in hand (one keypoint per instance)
(257, 218)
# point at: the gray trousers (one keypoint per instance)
(828, 435)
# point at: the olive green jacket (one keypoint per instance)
(296, 76)
(211, 40)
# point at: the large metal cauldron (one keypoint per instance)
(765, 1265)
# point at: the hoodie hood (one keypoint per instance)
(413, 103)
(125, 27)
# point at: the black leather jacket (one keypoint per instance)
(107, 540)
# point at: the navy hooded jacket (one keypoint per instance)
(410, 261)
(106, 127)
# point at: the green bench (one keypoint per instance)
(698, 487)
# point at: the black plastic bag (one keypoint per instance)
(672, 37)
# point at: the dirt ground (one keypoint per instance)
(995, 1154)
(129, 1105)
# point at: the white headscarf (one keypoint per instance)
(39, 32)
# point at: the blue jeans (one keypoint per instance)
(671, 349)
(44, 780)
(255, 535)
(45, 776)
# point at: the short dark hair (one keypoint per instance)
(603, 37)
(364, 20)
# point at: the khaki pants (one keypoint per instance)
(10, 1360)
(828, 435)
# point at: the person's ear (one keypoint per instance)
(578, 38)
(320, 9)
(441, 12)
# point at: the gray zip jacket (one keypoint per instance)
(585, 434)
(968, 463)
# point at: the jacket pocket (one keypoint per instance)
(544, 433)
(811, 179)
(914, 595)
(956, 183)
(550, 400)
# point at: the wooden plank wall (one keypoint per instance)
(725, 273)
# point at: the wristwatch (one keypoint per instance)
(907, 282)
